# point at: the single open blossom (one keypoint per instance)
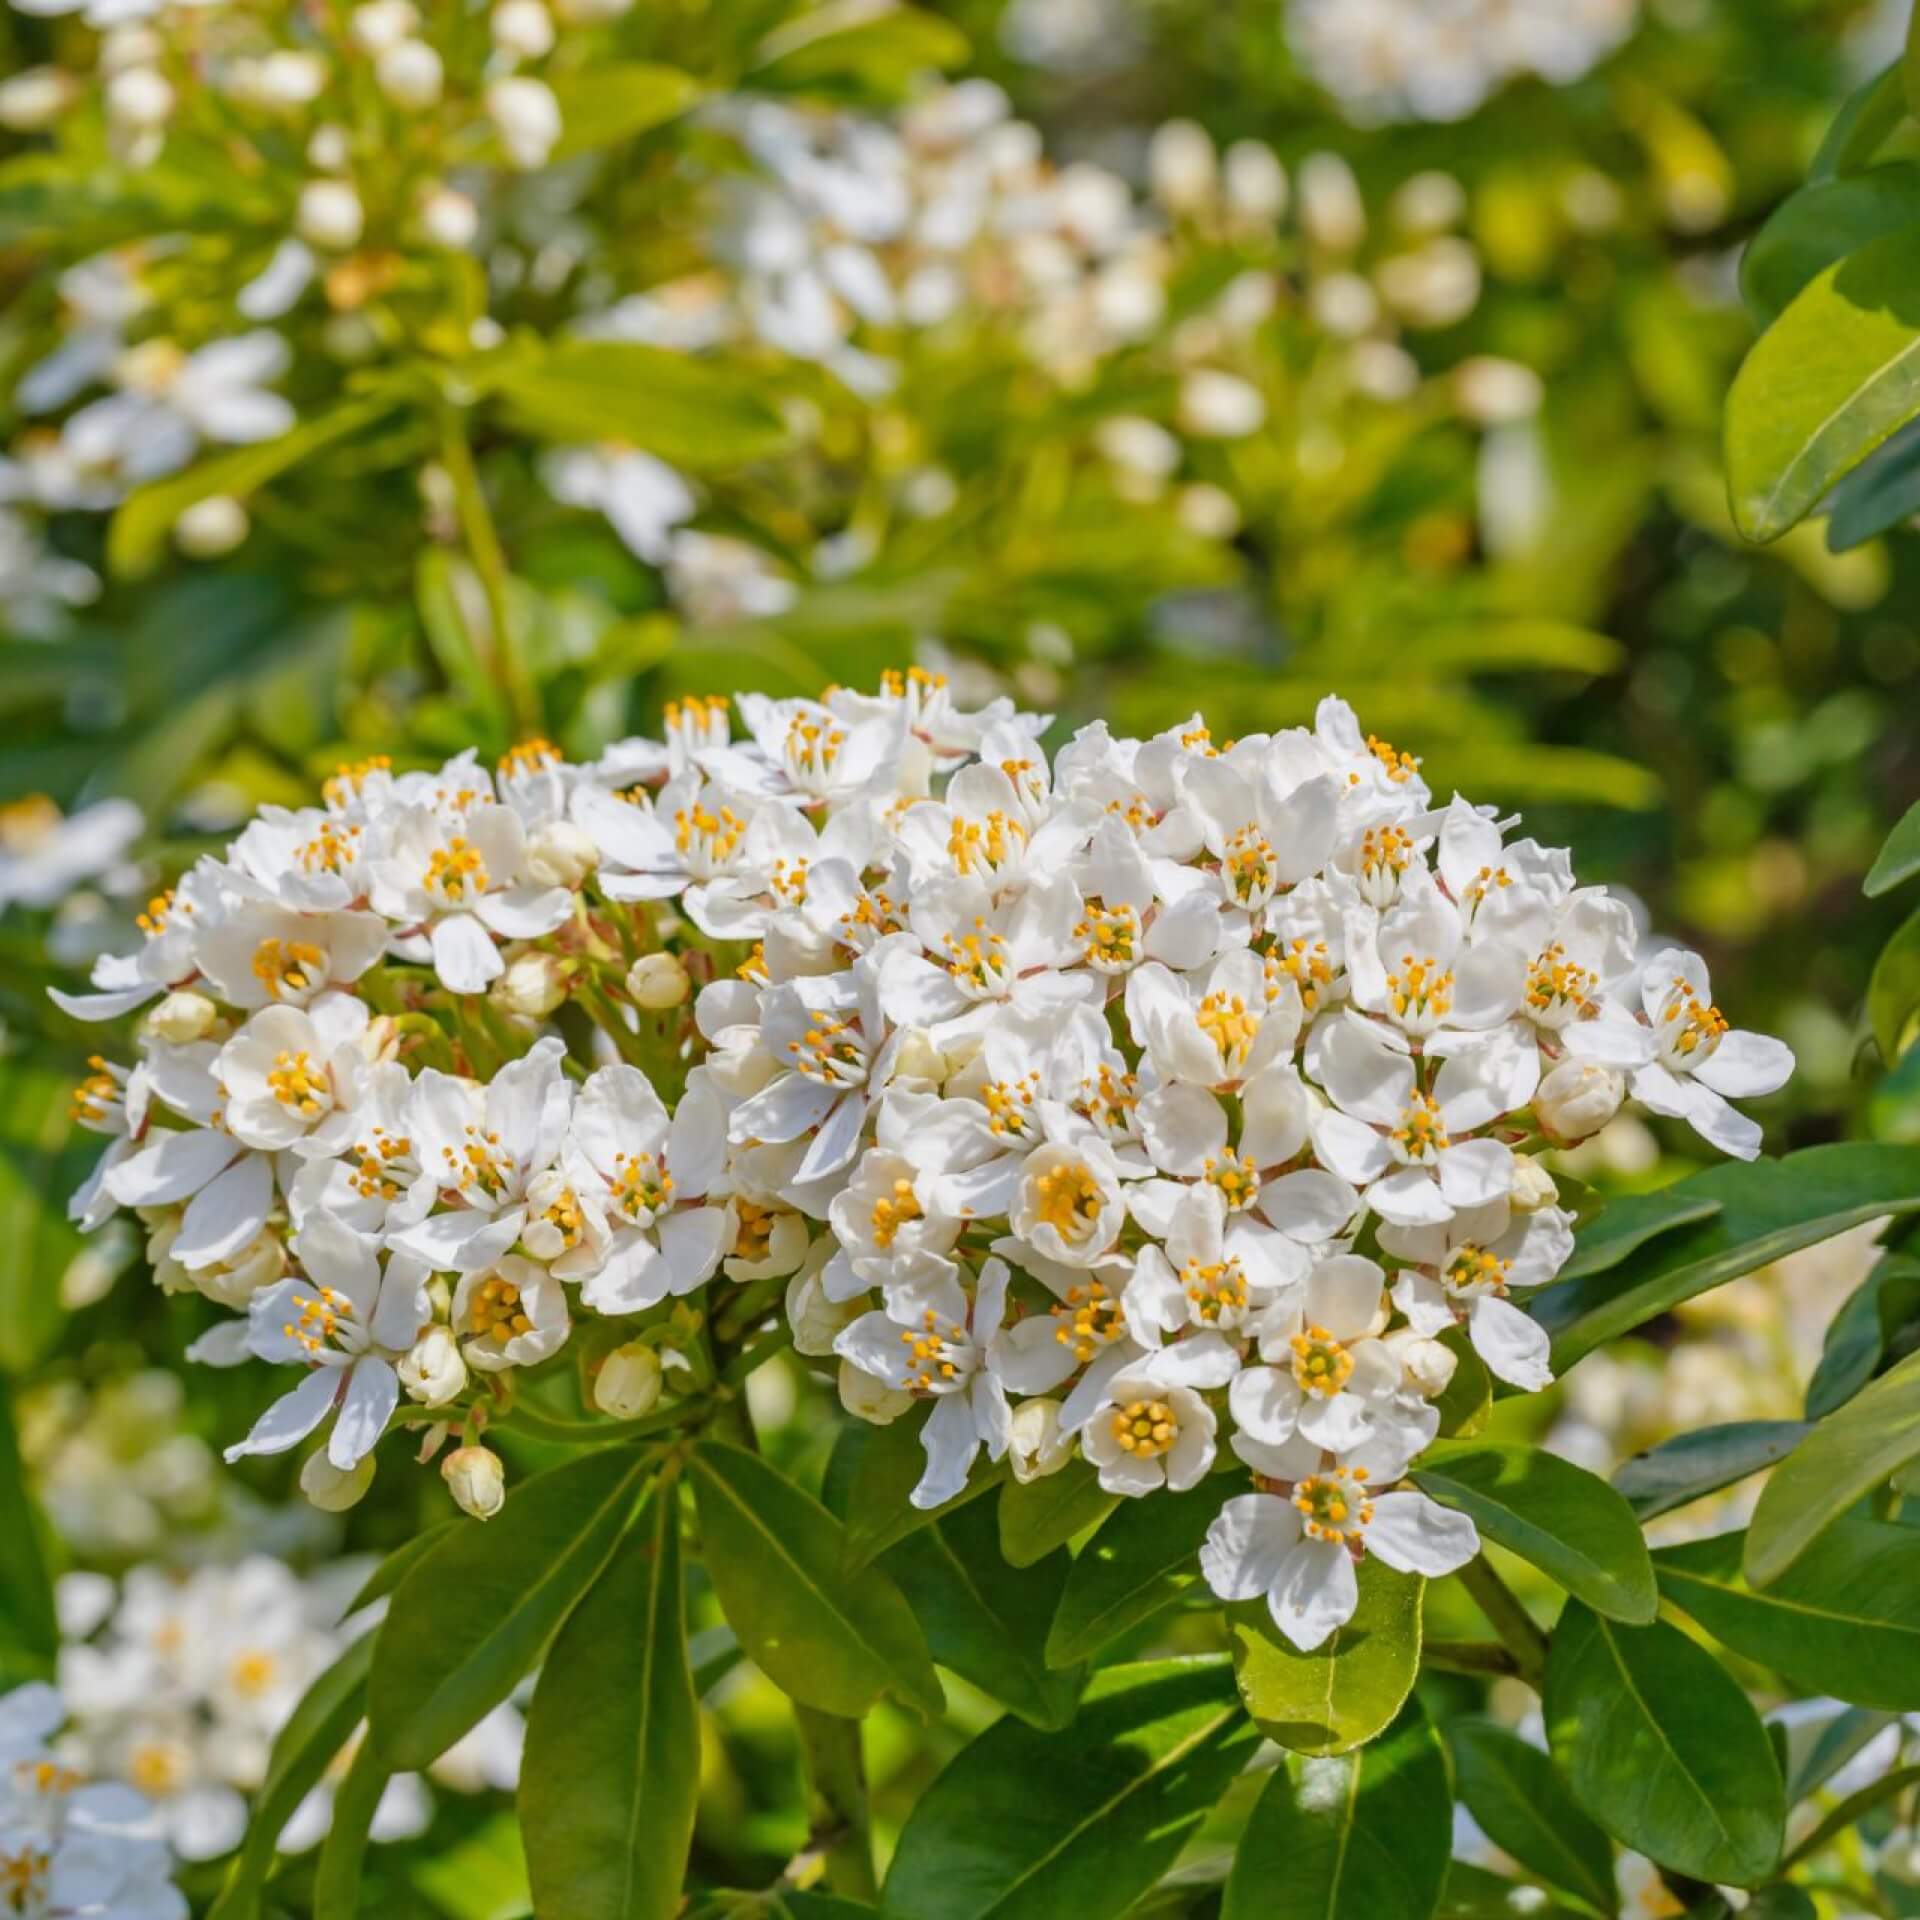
(1147, 1435)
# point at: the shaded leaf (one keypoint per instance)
(873, 1471)
(1878, 494)
(29, 1627)
(1820, 224)
(854, 50)
(1038, 1515)
(1898, 859)
(1893, 992)
(1523, 1806)
(1858, 1336)
(1143, 1559)
(1658, 1479)
(604, 105)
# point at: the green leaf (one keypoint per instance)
(1352, 1836)
(695, 413)
(1910, 65)
(1465, 1404)
(1836, 1743)
(1831, 379)
(1660, 1746)
(1766, 1208)
(43, 1156)
(303, 1749)
(138, 535)
(474, 1614)
(1893, 993)
(854, 50)
(1347, 1688)
(1659, 1479)
(1524, 1808)
(985, 1619)
(1860, 128)
(1038, 1515)
(1879, 493)
(1624, 1225)
(451, 604)
(834, 1639)
(604, 106)
(397, 1565)
(1472, 1893)
(1858, 1336)
(1845, 1457)
(1142, 1560)
(1843, 1621)
(1024, 1825)
(336, 1885)
(1898, 859)
(1820, 224)
(1569, 1523)
(29, 1627)
(1863, 1800)
(871, 1474)
(612, 1767)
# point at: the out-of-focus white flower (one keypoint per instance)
(211, 527)
(522, 28)
(45, 854)
(330, 215)
(527, 117)
(410, 73)
(642, 498)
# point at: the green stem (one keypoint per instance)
(757, 1353)
(490, 563)
(842, 1825)
(1516, 1627)
(1469, 1656)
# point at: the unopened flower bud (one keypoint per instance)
(476, 1479)
(211, 527)
(869, 1398)
(1426, 1365)
(331, 1490)
(448, 218)
(1578, 1098)
(1220, 406)
(328, 150)
(532, 986)
(287, 78)
(410, 74)
(330, 215)
(131, 45)
(817, 1321)
(1332, 213)
(233, 1283)
(139, 98)
(382, 23)
(432, 1370)
(628, 1383)
(34, 100)
(1256, 182)
(527, 118)
(1181, 166)
(182, 1017)
(1532, 1187)
(1035, 1444)
(522, 28)
(657, 981)
(560, 854)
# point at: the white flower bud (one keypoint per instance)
(182, 1017)
(331, 1490)
(329, 215)
(231, 1283)
(560, 854)
(817, 1321)
(432, 1370)
(1492, 392)
(1035, 1444)
(1220, 406)
(1426, 1365)
(448, 218)
(628, 1383)
(532, 985)
(410, 74)
(139, 98)
(657, 981)
(130, 46)
(34, 100)
(286, 78)
(523, 28)
(1578, 1098)
(211, 527)
(1181, 166)
(1533, 1186)
(870, 1399)
(1256, 182)
(382, 23)
(1207, 511)
(327, 151)
(477, 1480)
(1332, 213)
(527, 118)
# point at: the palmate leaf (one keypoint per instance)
(1024, 1825)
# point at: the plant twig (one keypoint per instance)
(1470, 1656)
(1518, 1631)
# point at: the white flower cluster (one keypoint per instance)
(1099, 1102)
(70, 1844)
(179, 1683)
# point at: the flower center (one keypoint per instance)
(1069, 1200)
(1473, 1272)
(1321, 1364)
(496, 1312)
(812, 748)
(707, 841)
(251, 1674)
(871, 917)
(157, 1767)
(1420, 1138)
(333, 849)
(1558, 990)
(1109, 936)
(1384, 855)
(1252, 873)
(788, 880)
(294, 1083)
(1488, 881)
(753, 1232)
(97, 1095)
(1145, 1428)
(1334, 1505)
(641, 1186)
(985, 844)
(455, 872)
(1307, 964)
(1238, 1179)
(932, 1363)
(531, 757)
(1091, 1319)
(372, 1178)
(1225, 1020)
(1216, 1291)
(978, 960)
(1108, 1100)
(348, 779)
(830, 1051)
(697, 722)
(1400, 767)
(479, 1163)
(1689, 1028)
(562, 1214)
(159, 911)
(288, 966)
(892, 1211)
(320, 1317)
(1009, 1104)
(1421, 993)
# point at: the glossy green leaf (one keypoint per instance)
(1898, 859)
(1766, 1208)
(696, 413)
(1024, 1825)
(1523, 1806)
(1820, 224)
(1143, 1559)
(397, 1565)
(1350, 1836)
(303, 1749)
(1659, 1479)
(1845, 1457)
(1624, 1225)
(29, 1628)
(1893, 992)
(1859, 1335)
(607, 104)
(1039, 1515)
(1881, 492)
(1658, 1743)
(336, 1884)
(834, 1638)
(1843, 1620)
(1858, 131)
(474, 1614)
(1834, 1745)
(1831, 379)
(612, 1765)
(985, 1619)
(1348, 1687)
(873, 1472)
(1569, 1523)
(1473, 1893)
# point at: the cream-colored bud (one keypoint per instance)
(448, 218)
(139, 98)
(477, 1480)
(32, 101)
(527, 117)
(432, 1370)
(1426, 1365)
(1533, 1186)
(523, 28)
(1332, 213)
(1578, 1098)
(628, 1383)
(182, 1017)
(1220, 406)
(1207, 511)
(233, 1283)
(657, 981)
(331, 1490)
(410, 74)
(1256, 182)
(560, 854)
(1181, 167)
(870, 1399)
(329, 150)
(211, 527)
(288, 78)
(382, 23)
(1493, 392)
(1035, 1444)
(329, 214)
(817, 1321)
(532, 985)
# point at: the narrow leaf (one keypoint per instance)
(1524, 1808)
(29, 1627)
(1039, 1515)
(1859, 1335)
(336, 1884)
(1893, 991)
(1898, 859)
(1145, 1558)
(1659, 1479)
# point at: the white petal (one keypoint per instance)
(1249, 1539)
(171, 1167)
(951, 1441)
(1414, 1535)
(1315, 1594)
(373, 1391)
(1744, 1064)
(464, 955)
(292, 1417)
(226, 1213)
(1265, 1403)
(1513, 1344)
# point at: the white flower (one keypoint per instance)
(804, 751)
(1147, 1435)
(290, 1075)
(642, 498)
(45, 854)
(527, 117)
(1216, 1027)
(513, 1314)
(1700, 1062)
(260, 954)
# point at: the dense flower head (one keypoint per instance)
(1190, 1088)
